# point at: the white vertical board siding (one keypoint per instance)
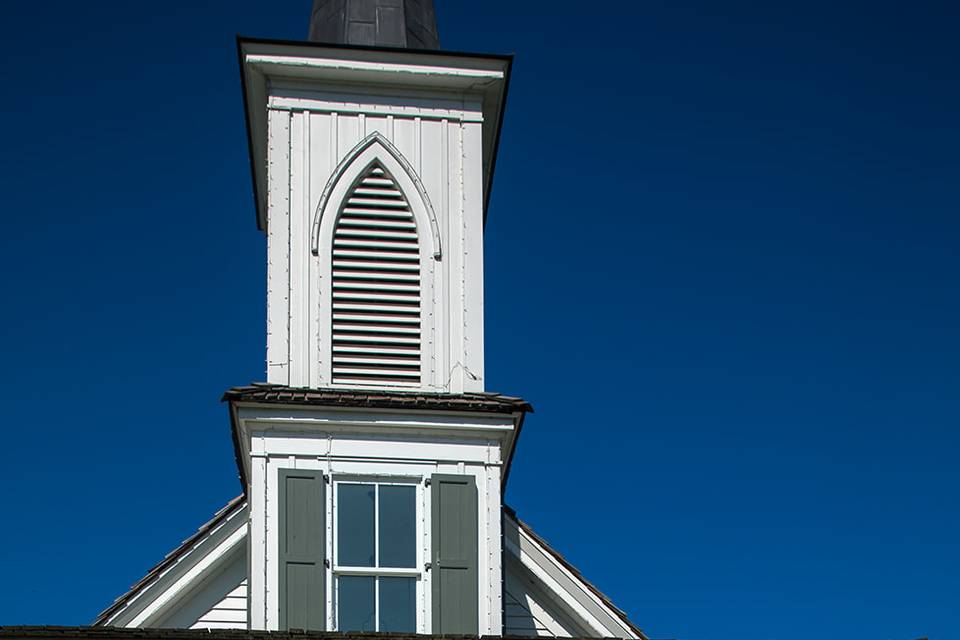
(348, 133)
(404, 130)
(322, 163)
(442, 148)
(433, 174)
(453, 176)
(299, 217)
(472, 238)
(278, 244)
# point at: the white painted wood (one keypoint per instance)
(230, 612)
(208, 565)
(278, 243)
(322, 147)
(471, 147)
(491, 558)
(364, 71)
(540, 596)
(452, 185)
(383, 446)
(257, 547)
(535, 575)
(370, 347)
(271, 548)
(321, 104)
(529, 613)
(412, 208)
(299, 281)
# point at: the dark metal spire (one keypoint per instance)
(380, 23)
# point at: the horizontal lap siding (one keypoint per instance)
(520, 621)
(229, 613)
(529, 611)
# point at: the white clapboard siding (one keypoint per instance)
(529, 610)
(228, 613)
(520, 621)
(376, 286)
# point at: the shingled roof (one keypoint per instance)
(123, 633)
(617, 611)
(169, 560)
(263, 393)
(64, 633)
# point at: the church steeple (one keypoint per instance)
(372, 169)
(410, 24)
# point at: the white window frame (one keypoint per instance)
(418, 571)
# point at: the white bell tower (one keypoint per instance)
(373, 460)
(372, 170)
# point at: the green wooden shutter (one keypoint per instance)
(302, 512)
(455, 578)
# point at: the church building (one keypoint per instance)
(373, 460)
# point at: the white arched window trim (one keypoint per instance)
(377, 149)
(371, 149)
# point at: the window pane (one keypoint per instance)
(355, 603)
(398, 597)
(355, 525)
(398, 527)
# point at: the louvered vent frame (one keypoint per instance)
(376, 286)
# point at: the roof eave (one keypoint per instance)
(253, 86)
(237, 398)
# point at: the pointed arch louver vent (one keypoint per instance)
(376, 286)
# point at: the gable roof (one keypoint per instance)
(558, 557)
(189, 552)
(121, 633)
(188, 545)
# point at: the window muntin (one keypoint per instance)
(375, 568)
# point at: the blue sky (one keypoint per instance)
(722, 261)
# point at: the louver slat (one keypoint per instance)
(376, 286)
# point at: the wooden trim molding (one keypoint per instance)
(373, 140)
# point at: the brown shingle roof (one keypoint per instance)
(220, 516)
(122, 633)
(232, 506)
(617, 611)
(474, 402)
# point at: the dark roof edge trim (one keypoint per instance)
(619, 613)
(249, 127)
(494, 152)
(467, 402)
(362, 47)
(220, 516)
(513, 450)
(68, 633)
(394, 401)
